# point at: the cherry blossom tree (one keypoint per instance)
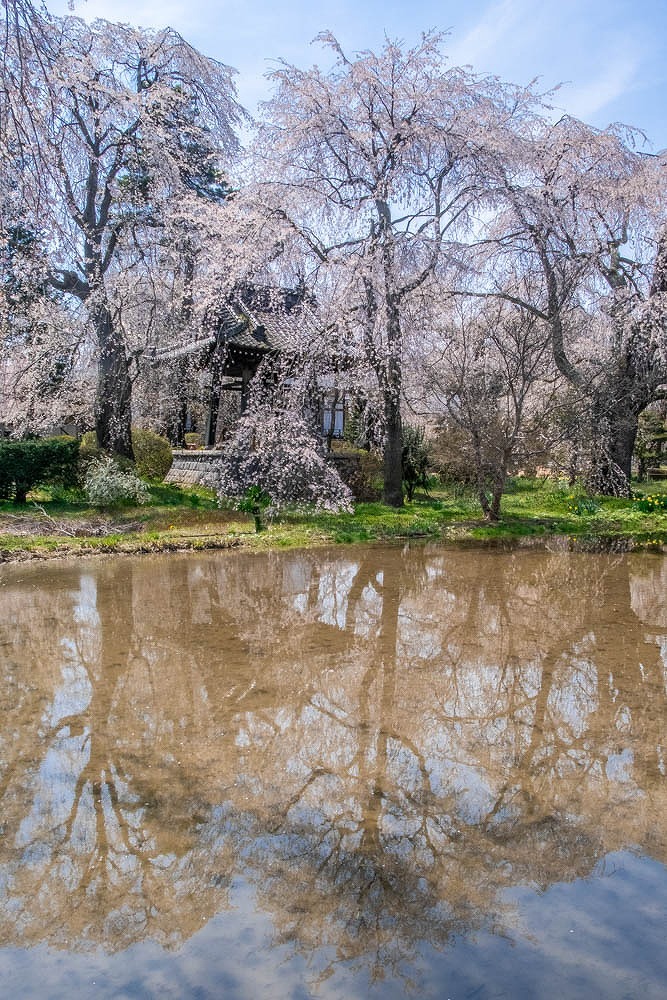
(275, 458)
(45, 363)
(487, 368)
(102, 125)
(374, 168)
(584, 216)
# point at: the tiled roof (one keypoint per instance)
(269, 329)
(260, 326)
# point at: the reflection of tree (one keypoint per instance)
(460, 774)
(109, 864)
(383, 742)
(353, 859)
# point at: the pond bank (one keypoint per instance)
(179, 519)
(40, 546)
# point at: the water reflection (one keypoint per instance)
(384, 744)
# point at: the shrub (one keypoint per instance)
(35, 462)
(107, 484)
(152, 454)
(415, 460)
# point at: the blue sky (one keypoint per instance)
(610, 55)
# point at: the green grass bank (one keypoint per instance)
(60, 523)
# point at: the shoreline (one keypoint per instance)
(189, 519)
(455, 535)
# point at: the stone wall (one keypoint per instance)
(191, 468)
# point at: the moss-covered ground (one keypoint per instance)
(178, 518)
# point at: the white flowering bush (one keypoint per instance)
(106, 484)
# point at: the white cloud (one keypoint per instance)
(602, 53)
(500, 25)
(590, 98)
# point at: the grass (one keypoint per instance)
(55, 523)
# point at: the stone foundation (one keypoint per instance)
(192, 468)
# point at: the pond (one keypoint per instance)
(356, 773)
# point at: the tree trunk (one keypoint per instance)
(391, 380)
(175, 422)
(622, 443)
(496, 497)
(393, 452)
(113, 403)
(615, 415)
(490, 504)
(491, 484)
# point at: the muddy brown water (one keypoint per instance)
(377, 772)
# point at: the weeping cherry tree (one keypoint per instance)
(373, 167)
(99, 123)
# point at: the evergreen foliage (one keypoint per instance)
(414, 459)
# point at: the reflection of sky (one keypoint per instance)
(333, 593)
(75, 692)
(593, 937)
(619, 766)
(85, 607)
(52, 789)
(422, 630)
(575, 697)
(295, 584)
(77, 650)
(367, 613)
(53, 785)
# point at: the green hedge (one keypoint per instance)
(34, 462)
